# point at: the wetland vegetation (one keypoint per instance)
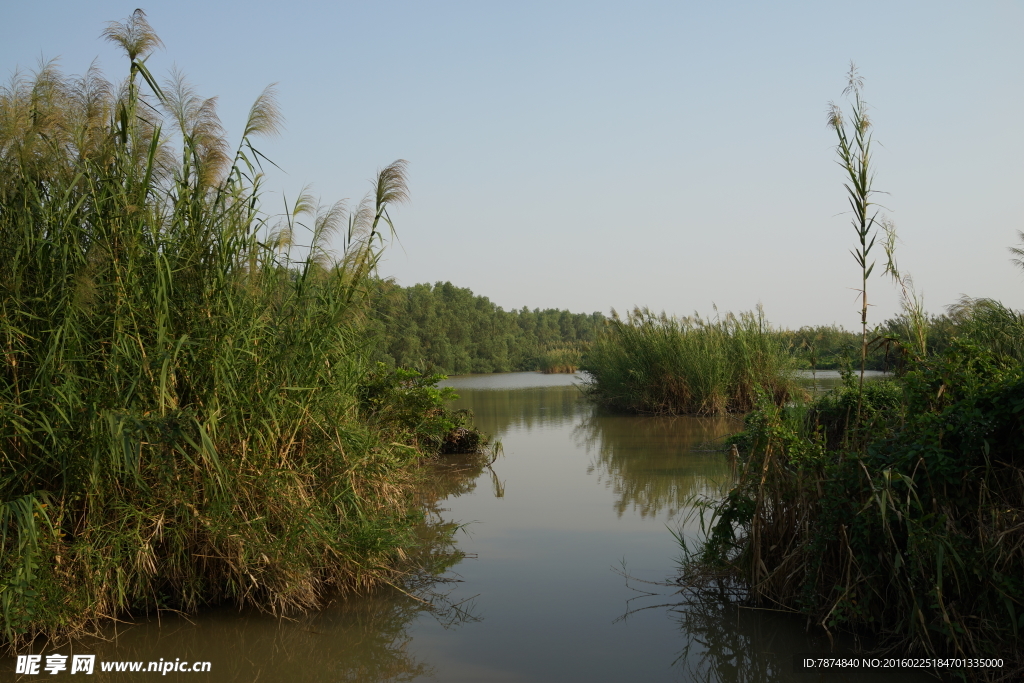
(188, 413)
(660, 365)
(905, 523)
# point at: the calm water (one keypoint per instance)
(578, 499)
(823, 380)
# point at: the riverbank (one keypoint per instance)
(893, 511)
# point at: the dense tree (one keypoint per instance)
(444, 328)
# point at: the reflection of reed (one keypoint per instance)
(728, 644)
(360, 638)
(447, 476)
(495, 412)
(456, 474)
(657, 464)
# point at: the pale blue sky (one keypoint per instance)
(586, 155)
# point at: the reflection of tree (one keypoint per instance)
(451, 475)
(495, 412)
(656, 464)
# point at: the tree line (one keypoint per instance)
(449, 329)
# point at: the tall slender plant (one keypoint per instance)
(854, 150)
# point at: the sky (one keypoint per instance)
(597, 155)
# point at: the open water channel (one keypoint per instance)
(567, 549)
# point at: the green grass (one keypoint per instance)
(670, 366)
(180, 421)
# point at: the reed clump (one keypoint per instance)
(180, 421)
(560, 360)
(660, 365)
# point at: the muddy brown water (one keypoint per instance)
(567, 543)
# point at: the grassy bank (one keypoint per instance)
(181, 416)
(908, 525)
(669, 366)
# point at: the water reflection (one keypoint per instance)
(656, 465)
(451, 476)
(825, 380)
(498, 412)
(730, 643)
(363, 638)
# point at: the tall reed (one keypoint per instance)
(660, 365)
(179, 421)
(854, 151)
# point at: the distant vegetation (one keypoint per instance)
(669, 366)
(563, 359)
(448, 329)
(830, 347)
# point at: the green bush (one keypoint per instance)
(876, 410)
(413, 401)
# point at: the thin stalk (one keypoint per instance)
(854, 150)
